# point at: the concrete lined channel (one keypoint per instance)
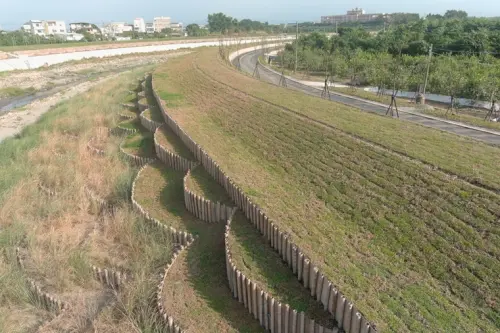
(247, 62)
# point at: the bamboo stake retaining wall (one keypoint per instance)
(347, 316)
(202, 208)
(170, 159)
(47, 301)
(136, 160)
(273, 315)
(93, 149)
(110, 278)
(168, 321)
(178, 237)
(142, 104)
(149, 124)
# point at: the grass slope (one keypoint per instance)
(140, 144)
(167, 139)
(413, 248)
(260, 263)
(468, 158)
(196, 292)
(201, 183)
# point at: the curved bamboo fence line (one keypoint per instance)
(168, 321)
(149, 124)
(47, 301)
(102, 204)
(179, 237)
(111, 278)
(170, 159)
(46, 190)
(204, 209)
(122, 130)
(273, 315)
(347, 316)
(93, 149)
(127, 116)
(128, 105)
(134, 159)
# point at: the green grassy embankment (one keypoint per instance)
(412, 247)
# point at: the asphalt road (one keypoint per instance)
(247, 63)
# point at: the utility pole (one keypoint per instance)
(336, 27)
(428, 68)
(296, 47)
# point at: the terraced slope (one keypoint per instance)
(414, 248)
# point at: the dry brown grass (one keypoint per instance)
(60, 235)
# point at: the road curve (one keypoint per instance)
(247, 62)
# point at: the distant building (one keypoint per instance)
(160, 23)
(177, 27)
(45, 28)
(73, 36)
(353, 15)
(150, 28)
(88, 27)
(139, 25)
(128, 28)
(113, 28)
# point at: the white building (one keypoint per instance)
(177, 27)
(113, 28)
(88, 27)
(45, 28)
(73, 36)
(139, 25)
(160, 23)
(128, 28)
(150, 28)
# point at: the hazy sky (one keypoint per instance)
(15, 12)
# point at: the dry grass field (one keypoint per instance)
(62, 233)
(403, 218)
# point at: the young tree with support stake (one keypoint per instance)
(449, 78)
(402, 70)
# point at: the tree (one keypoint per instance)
(449, 78)
(221, 23)
(455, 14)
(195, 30)
(167, 31)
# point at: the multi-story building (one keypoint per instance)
(128, 28)
(176, 26)
(150, 28)
(353, 15)
(160, 23)
(139, 25)
(45, 28)
(88, 27)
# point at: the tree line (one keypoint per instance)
(392, 61)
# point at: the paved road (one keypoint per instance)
(247, 63)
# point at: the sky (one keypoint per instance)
(14, 12)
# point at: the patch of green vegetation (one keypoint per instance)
(384, 99)
(171, 99)
(172, 142)
(253, 255)
(462, 117)
(131, 124)
(16, 91)
(377, 224)
(207, 304)
(201, 183)
(140, 144)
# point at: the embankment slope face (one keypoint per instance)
(414, 247)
